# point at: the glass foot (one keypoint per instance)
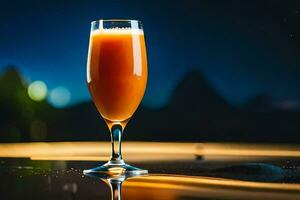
(118, 168)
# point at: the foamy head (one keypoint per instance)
(119, 31)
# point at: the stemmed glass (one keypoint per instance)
(117, 78)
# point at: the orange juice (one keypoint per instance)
(117, 72)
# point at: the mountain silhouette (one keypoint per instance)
(191, 115)
(194, 90)
(261, 102)
(195, 113)
(11, 75)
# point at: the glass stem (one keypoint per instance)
(116, 190)
(116, 139)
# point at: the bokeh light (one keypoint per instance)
(59, 97)
(37, 90)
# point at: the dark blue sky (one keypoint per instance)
(243, 48)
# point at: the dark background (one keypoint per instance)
(218, 70)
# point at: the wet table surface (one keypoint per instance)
(187, 171)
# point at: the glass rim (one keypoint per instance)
(116, 20)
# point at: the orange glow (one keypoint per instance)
(196, 180)
(74, 158)
(156, 186)
(232, 149)
(144, 151)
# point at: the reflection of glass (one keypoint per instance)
(113, 181)
(117, 77)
